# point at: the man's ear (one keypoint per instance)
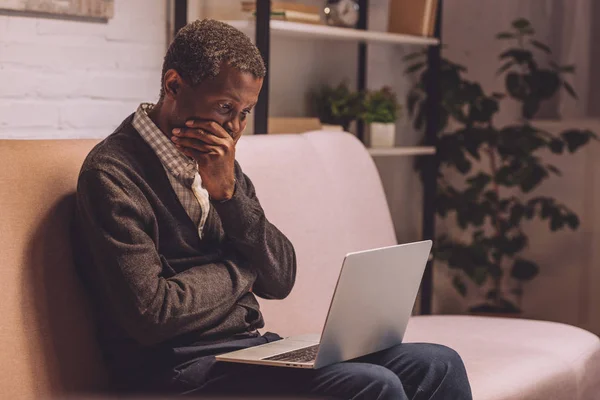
(173, 83)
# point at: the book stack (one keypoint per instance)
(285, 11)
(413, 17)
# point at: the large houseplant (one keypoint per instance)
(499, 167)
(380, 111)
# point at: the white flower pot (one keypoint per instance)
(382, 135)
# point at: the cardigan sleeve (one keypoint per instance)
(267, 249)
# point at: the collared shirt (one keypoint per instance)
(181, 169)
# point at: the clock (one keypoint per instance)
(342, 13)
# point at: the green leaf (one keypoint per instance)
(570, 89)
(556, 146)
(414, 68)
(480, 180)
(463, 166)
(524, 270)
(541, 46)
(521, 24)
(527, 31)
(553, 169)
(459, 285)
(505, 67)
(544, 82)
(556, 223)
(573, 221)
(413, 56)
(576, 138)
(547, 209)
(516, 214)
(532, 177)
(505, 35)
(505, 177)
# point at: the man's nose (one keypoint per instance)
(233, 126)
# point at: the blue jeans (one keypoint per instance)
(416, 371)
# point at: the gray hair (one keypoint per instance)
(199, 49)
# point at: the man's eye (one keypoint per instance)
(246, 112)
(226, 107)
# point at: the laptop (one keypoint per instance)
(369, 311)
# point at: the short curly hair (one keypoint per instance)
(199, 49)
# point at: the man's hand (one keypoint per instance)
(213, 148)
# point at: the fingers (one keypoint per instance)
(194, 154)
(195, 144)
(210, 126)
(198, 154)
(198, 135)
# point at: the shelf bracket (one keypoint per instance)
(263, 42)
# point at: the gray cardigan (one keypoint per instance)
(152, 280)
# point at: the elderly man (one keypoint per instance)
(174, 247)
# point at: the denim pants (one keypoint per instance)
(416, 371)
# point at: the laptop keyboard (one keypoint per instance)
(304, 355)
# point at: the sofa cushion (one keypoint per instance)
(510, 359)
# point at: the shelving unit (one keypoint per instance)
(402, 151)
(313, 31)
(264, 27)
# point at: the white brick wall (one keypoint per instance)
(72, 79)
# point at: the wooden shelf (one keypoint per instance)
(296, 29)
(401, 151)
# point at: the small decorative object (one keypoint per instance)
(380, 111)
(488, 174)
(337, 105)
(96, 9)
(343, 13)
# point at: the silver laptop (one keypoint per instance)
(369, 311)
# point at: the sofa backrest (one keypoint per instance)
(47, 344)
(321, 189)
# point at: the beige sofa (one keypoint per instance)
(323, 191)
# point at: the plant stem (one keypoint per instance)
(496, 222)
(520, 295)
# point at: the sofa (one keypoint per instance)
(323, 190)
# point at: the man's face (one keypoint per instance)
(226, 99)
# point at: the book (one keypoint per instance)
(295, 16)
(413, 17)
(293, 125)
(279, 6)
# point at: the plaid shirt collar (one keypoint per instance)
(178, 164)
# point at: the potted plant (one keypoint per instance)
(336, 105)
(380, 110)
(488, 173)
